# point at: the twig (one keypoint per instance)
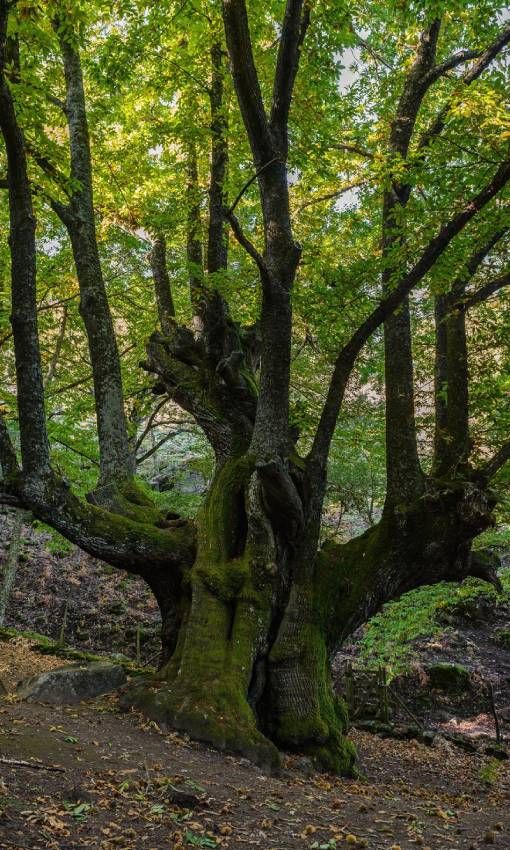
(499, 739)
(403, 705)
(31, 765)
(248, 184)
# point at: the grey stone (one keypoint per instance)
(72, 684)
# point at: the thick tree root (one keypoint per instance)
(221, 719)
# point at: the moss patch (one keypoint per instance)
(450, 678)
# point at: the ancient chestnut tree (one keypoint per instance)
(251, 607)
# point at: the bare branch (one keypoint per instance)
(352, 148)
(156, 447)
(368, 47)
(76, 451)
(150, 422)
(248, 184)
(332, 195)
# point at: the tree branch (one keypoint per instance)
(451, 63)
(248, 246)
(485, 291)
(498, 460)
(474, 262)
(472, 74)
(150, 422)
(295, 23)
(248, 184)
(355, 184)
(347, 356)
(155, 448)
(10, 500)
(246, 80)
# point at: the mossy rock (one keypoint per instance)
(502, 637)
(450, 678)
(475, 608)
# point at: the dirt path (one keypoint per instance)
(116, 791)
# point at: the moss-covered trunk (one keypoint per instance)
(239, 678)
(424, 542)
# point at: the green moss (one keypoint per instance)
(47, 646)
(451, 678)
(502, 638)
(221, 526)
(316, 725)
(220, 718)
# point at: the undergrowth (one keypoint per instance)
(389, 637)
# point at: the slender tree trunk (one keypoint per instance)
(217, 242)
(164, 300)
(33, 434)
(116, 457)
(11, 563)
(440, 381)
(194, 251)
(404, 475)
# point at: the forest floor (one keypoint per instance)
(100, 779)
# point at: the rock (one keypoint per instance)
(305, 766)
(77, 795)
(3, 689)
(451, 678)
(72, 684)
(429, 737)
(181, 798)
(497, 751)
(502, 638)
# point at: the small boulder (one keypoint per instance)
(450, 678)
(501, 637)
(72, 684)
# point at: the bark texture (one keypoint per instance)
(116, 458)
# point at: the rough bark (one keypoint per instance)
(116, 458)
(426, 542)
(452, 438)
(164, 300)
(217, 241)
(194, 253)
(403, 470)
(33, 435)
(10, 565)
(268, 141)
(226, 682)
